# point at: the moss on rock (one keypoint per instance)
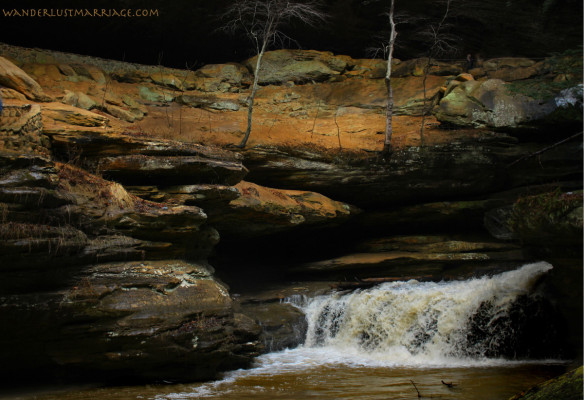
(564, 387)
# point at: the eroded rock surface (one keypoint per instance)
(109, 279)
(133, 320)
(93, 279)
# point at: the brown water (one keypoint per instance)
(399, 340)
(336, 382)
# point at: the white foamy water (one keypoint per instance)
(395, 325)
(420, 323)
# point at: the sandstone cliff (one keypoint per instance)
(117, 185)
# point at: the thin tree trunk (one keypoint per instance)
(389, 109)
(252, 97)
(426, 72)
(388, 118)
(338, 130)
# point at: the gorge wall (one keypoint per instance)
(133, 248)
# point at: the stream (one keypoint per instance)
(398, 340)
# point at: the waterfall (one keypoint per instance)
(426, 323)
(388, 334)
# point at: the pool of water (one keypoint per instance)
(306, 373)
(399, 340)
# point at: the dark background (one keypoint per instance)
(185, 32)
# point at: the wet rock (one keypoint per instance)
(567, 386)
(61, 227)
(130, 320)
(283, 325)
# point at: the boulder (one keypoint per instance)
(13, 77)
(155, 96)
(566, 387)
(298, 66)
(283, 325)
(232, 73)
(170, 80)
(79, 99)
(492, 103)
(147, 320)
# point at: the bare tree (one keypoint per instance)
(441, 42)
(261, 21)
(389, 107)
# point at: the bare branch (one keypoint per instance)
(261, 21)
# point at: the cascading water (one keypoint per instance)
(425, 323)
(373, 344)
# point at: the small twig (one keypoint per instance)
(449, 384)
(415, 387)
(544, 149)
